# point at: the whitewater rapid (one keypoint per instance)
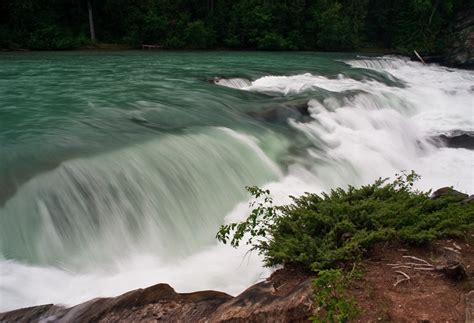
(377, 129)
(175, 191)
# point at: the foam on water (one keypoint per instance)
(383, 129)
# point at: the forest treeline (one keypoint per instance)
(331, 25)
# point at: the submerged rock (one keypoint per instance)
(298, 110)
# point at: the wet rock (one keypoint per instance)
(457, 140)
(301, 107)
(262, 302)
(448, 191)
(296, 110)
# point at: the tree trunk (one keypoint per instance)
(91, 21)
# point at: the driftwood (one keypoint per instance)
(405, 275)
(419, 57)
(454, 269)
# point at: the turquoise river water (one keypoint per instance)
(117, 168)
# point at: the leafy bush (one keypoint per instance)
(322, 231)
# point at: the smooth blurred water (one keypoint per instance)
(117, 168)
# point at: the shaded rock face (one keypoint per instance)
(460, 53)
(262, 302)
(460, 141)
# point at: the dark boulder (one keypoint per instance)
(456, 139)
(459, 141)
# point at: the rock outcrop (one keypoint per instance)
(456, 140)
(266, 301)
(448, 191)
(460, 53)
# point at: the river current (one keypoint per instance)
(117, 168)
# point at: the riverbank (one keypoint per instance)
(380, 293)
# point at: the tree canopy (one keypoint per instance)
(332, 25)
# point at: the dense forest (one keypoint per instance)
(332, 25)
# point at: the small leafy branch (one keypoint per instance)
(258, 224)
(405, 181)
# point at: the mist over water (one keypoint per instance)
(118, 168)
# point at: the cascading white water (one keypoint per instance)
(141, 231)
(123, 211)
(378, 130)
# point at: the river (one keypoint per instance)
(117, 168)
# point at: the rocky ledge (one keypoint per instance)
(278, 299)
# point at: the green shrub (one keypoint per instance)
(323, 231)
(329, 294)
